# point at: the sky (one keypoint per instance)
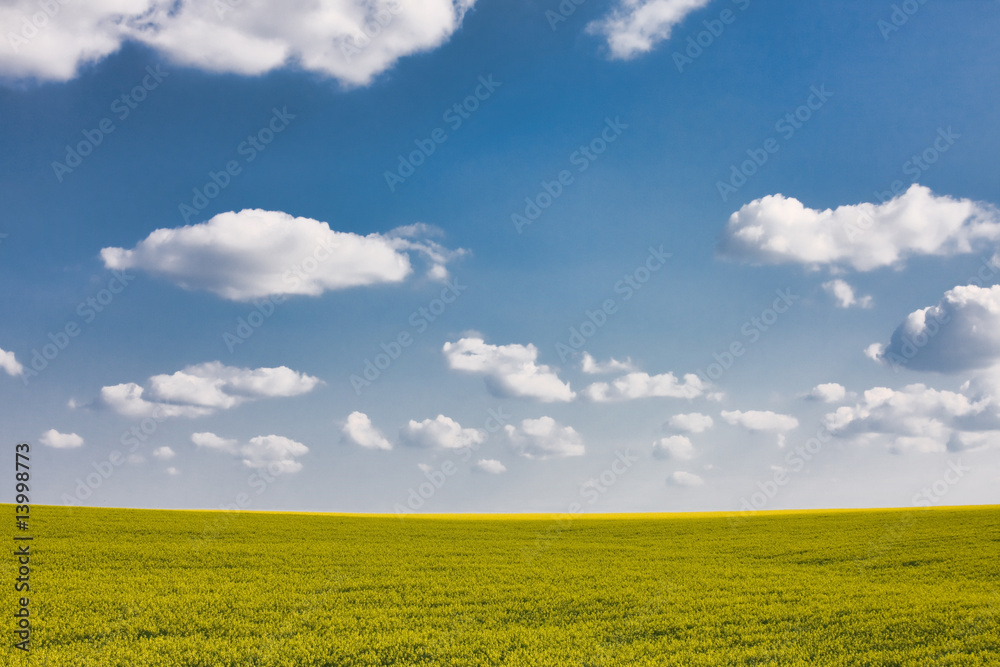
(523, 256)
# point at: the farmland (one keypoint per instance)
(115, 587)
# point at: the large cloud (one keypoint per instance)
(254, 253)
(918, 418)
(643, 385)
(359, 429)
(544, 438)
(274, 453)
(440, 433)
(350, 40)
(510, 370)
(636, 26)
(960, 333)
(780, 230)
(203, 389)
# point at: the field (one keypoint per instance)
(116, 587)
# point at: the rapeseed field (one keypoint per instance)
(120, 587)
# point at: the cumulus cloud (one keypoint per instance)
(957, 334)
(272, 452)
(760, 420)
(643, 385)
(694, 422)
(172, 471)
(918, 418)
(544, 438)
(440, 433)
(510, 370)
(681, 478)
(780, 230)
(830, 392)
(359, 430)
(636, 26)
(164, 453)
(843, 294)
(57, 440)
(10, 364)
(349, 40)
(203, 389)
(254, 254)
(674, 447)
(491, 466)
(591, 366)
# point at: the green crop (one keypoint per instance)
(117, 587)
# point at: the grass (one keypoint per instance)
(869, 587)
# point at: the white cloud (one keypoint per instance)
(164, 453)
(760, 420)
(359, 430)
(643, 385)
(844, 295)
(918, 418)
(830, 392)
(544, 438)
(202, 389)
(510, 370)
(674, 447)
(681, 478)
(590, 366)
(254, 254)
(10, 364)
(779, 230)
(173, 471)
(491, 466)
(274, 453)
(636, 26)
(440, 433)
(694, 422)
(53, 438)
(350, 40)
(958, 334)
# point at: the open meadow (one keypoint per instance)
(116, 587)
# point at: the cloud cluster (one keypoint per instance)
(55, 439)
(509, 370)
(274, 453)
(254, 254)
(636, 26)
(350, 40)
(779, 230)
(203, 389)
(440, 433)
(918, 418)
(590, 366)
(643, 385)
(544, 438)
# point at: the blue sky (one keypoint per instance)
(727, 182)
